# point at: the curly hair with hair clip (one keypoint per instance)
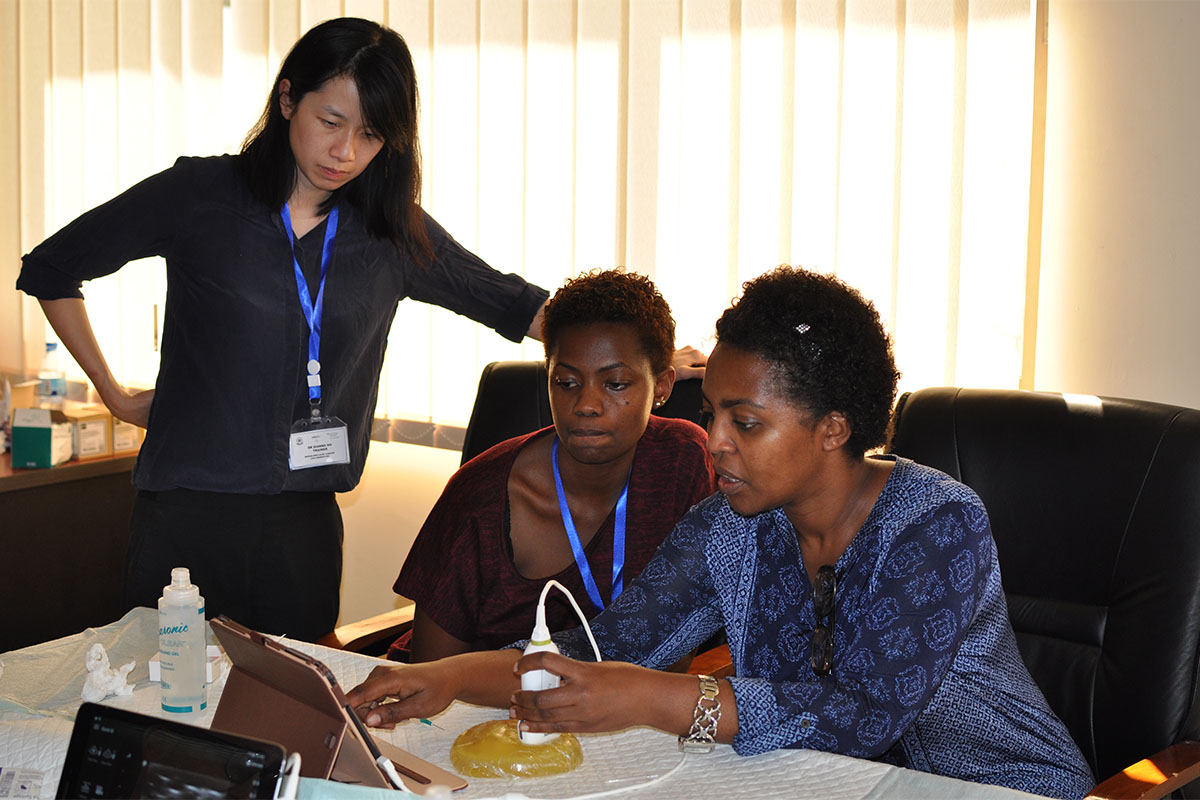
(613, 296)
(826, 347)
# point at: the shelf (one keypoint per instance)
(12, 480)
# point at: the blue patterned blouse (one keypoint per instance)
(926, 672)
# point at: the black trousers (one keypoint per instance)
(271, 562)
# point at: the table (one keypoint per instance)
(40, 687)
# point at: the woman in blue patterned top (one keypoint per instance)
(861, 596)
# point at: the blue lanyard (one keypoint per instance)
(581, 561)
(312, 313)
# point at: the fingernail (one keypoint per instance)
(373, 720)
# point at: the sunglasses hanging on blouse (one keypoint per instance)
(823, 601)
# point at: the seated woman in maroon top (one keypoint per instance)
(499, 530)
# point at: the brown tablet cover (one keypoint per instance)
(276, 693)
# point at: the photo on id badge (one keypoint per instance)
(317, 442)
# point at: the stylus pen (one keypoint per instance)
(385, 763)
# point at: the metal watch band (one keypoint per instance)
(701, 738)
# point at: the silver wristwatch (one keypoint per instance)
(703, 734)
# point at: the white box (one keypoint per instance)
(126, 437)
(92, 429)
(216, 658)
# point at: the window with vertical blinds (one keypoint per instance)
(700, 142)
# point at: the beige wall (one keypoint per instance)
(382, 516)
(1120, 273)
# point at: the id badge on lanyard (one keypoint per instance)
(318, 440)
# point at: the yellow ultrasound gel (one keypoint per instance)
(493, 750)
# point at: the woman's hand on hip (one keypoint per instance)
(129, 406)
(69, 318)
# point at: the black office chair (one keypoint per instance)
(1095, 508)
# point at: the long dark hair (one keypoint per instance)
(378, 62)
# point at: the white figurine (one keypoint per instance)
(103, 680)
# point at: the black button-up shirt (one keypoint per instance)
(233, 364)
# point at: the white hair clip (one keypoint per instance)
(803, 327)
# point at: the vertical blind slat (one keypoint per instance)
(867, 156)
(550, 142)
(762, 130)
(405, 383)
(652, 201)
(35, 104)
(816, 138)
(453, 196)
(143, 283)
(708, 102)
(995, 226)
(99, 164)
(599, 116)
(926, 192)
(501, 148)
(11, 314)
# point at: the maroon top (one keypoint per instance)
(460, 570)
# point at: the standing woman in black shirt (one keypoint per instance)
(285, 265)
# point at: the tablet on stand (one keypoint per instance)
(277, 693)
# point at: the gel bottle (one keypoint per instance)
(182, 644)
(539, 679)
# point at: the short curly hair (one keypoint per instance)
(826, 346)
(613, 295)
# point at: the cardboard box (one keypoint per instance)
(126, 437)
(24, 395)
(92, 429)
(41, 438)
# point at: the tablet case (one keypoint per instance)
(274, 692)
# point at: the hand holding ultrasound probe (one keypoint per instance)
(420, 690)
